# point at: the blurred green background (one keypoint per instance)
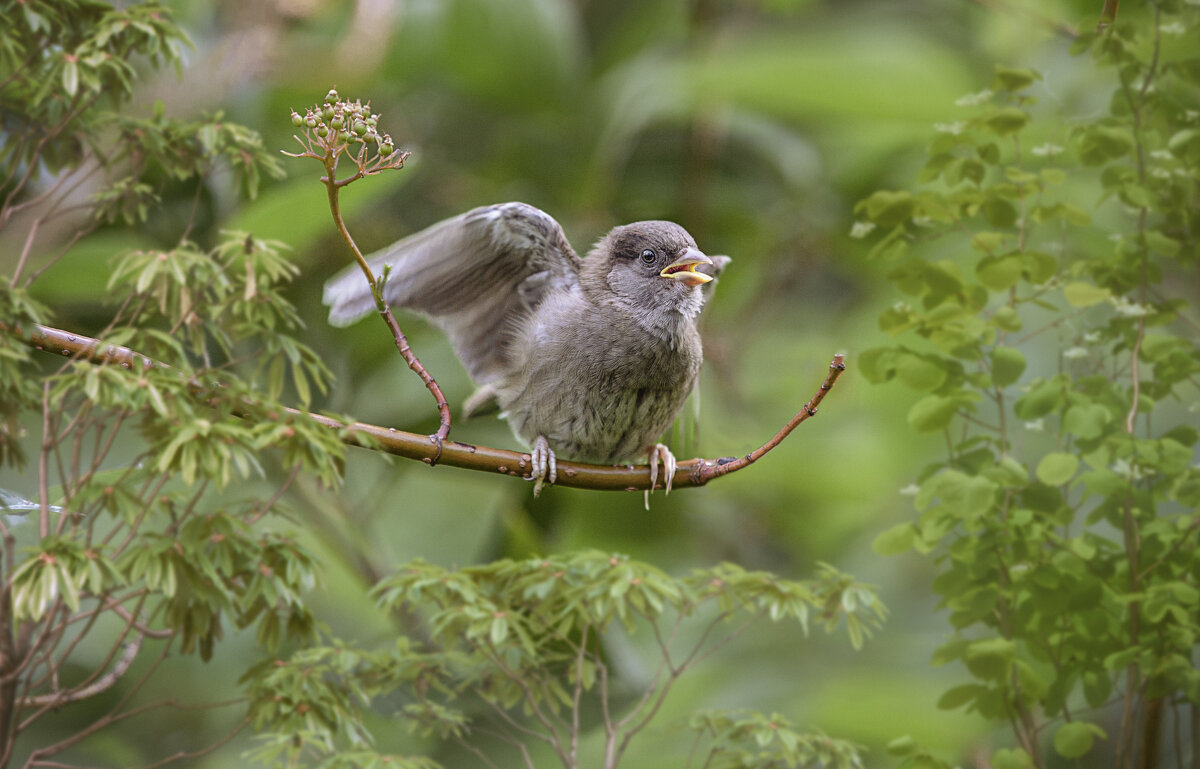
(755, 124)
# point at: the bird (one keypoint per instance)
(587, 359)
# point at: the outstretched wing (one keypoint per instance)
(474, 275)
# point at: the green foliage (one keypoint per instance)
(1063, 517)
(136, 529)
(741, 741)
(17, 392)
(70, 66)
(528, 640)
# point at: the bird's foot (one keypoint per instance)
(657, 452)
(545, 465)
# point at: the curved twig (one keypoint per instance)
(692, 472)
(63, 696)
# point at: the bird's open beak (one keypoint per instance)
(683, 269)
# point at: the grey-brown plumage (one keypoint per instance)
(590, 359)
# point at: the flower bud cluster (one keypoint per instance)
(337, 122)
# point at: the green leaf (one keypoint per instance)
(1042, 398)
(987, 242)
(959, 696)
(1056, 469)
(1000, 212)
(1080, 294)
(1075, 739)
(999, 273)
(1007, 318)
(1009, 473)
(901, 746)
(897, 539)
(932, 413)
(1054, 175)
(70, 77)
(1007, 120)
(1103, 143)
(1039, 267)
(920, 373)
(1161, 244)
(989, 659)
(1012, 79)
(1008, 363)
(1086, 420)
(1096, 688)
(887, 208)
(1011, 758)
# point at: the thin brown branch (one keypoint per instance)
(43, 469)
(1108, 16)
(692, 472)
(808, 410)
(184, 755)
(385, 312)
(54, 699)
(577, 697)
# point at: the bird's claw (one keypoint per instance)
(657, 452)
(545, 464)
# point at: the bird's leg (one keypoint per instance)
(545, 465)
(660, 451)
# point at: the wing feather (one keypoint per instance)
(474, 275)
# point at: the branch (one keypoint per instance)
(352, 123)
(63, 696)
(692, 472)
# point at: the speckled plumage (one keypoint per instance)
(595, 355)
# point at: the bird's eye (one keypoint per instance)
(648, 256)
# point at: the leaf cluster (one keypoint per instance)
(1062, 518)
(743, 740)
(513, 650)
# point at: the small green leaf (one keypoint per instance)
(1056, 469)
(887, 208)
(1103, 143)
(1075, 739)
(932, 413)
(1086, 420)
(1007, 319)
(1042, 398)
(920, 373)
(1008, 363)
(895, 540)
(959, 696)
(1054, 175)
(1080, 294)
(999, 273)
(1161, 244)
(1009, 473)
(1011, 758)
(987, 242)
(1007, 120)
(878, 364)
(1013, 79)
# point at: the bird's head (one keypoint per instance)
(652, 267)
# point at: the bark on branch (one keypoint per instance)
(692, 472)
